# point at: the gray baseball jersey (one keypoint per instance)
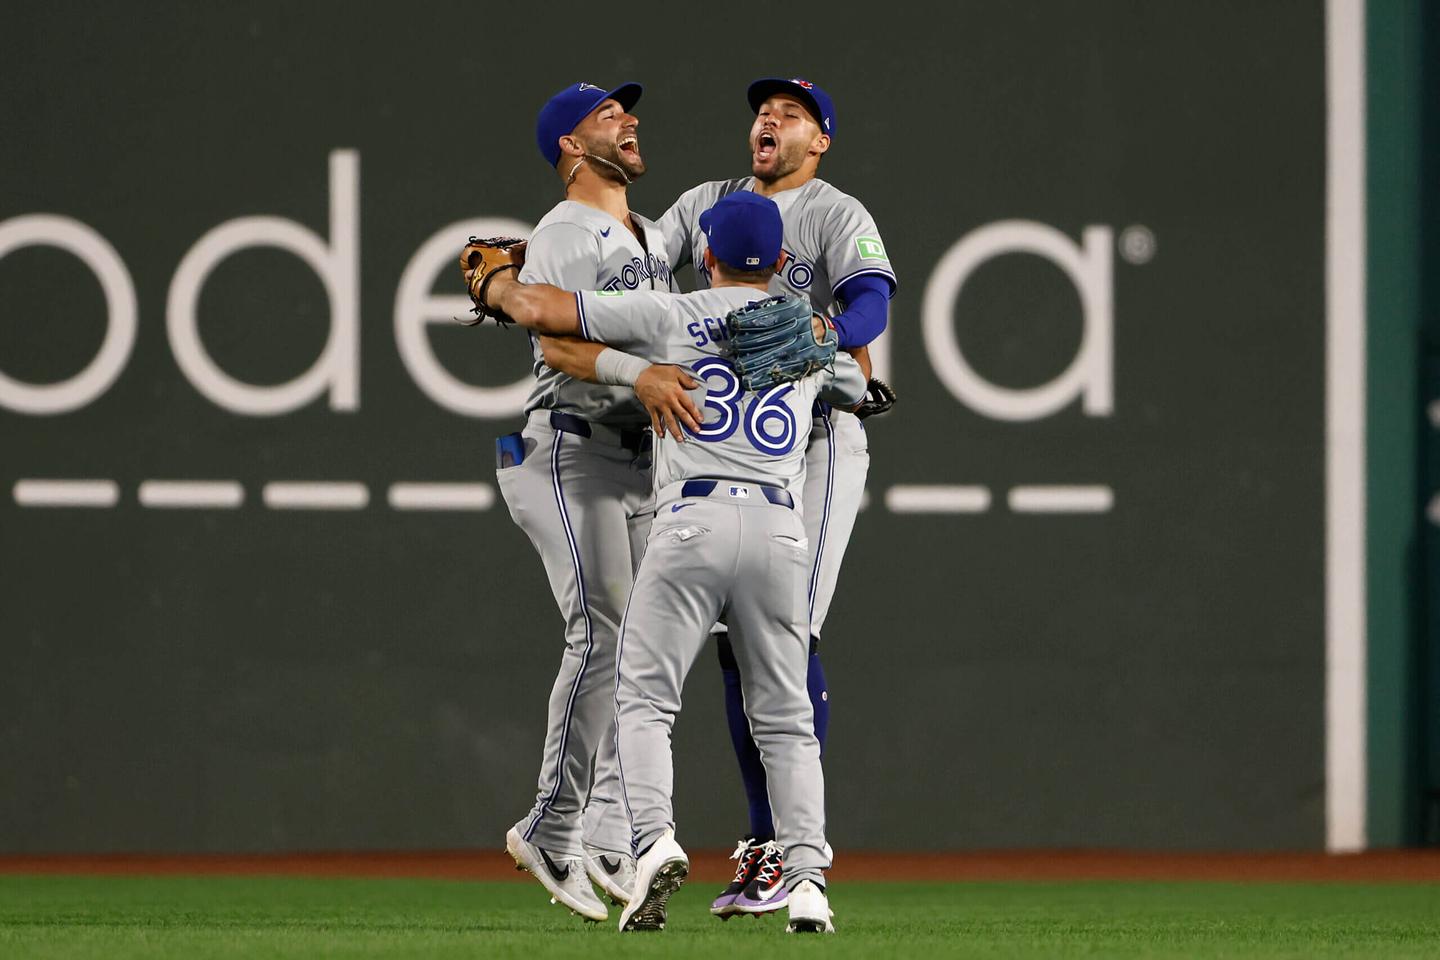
(576, 247)
(581, 492)
(734, 549)
(757, 436)
(829, 238)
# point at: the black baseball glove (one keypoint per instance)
(879, 398)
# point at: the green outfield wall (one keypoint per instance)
(1085, 605)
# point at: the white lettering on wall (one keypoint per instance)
(1090, 374)
(416, 307)
(337, 368)
(48, 230)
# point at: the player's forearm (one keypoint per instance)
(571, 356)
(862, 357)
(866, 313)
(592, 361)
(536, 306)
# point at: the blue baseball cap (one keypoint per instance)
(744, 230)
(563, 112)
(817, 100)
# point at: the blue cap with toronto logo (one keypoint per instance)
(744, 229)
(821, 107)
(563, 112)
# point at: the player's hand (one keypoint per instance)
(663, 389)
(820, 327)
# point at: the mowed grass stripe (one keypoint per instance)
(108, 917)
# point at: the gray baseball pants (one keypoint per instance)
(732, 554)
(586, 505)
(837, 461)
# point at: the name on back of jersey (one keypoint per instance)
(708, 330)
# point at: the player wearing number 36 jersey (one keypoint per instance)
(835, 256)
(727, 543)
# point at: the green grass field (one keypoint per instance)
(102, 917)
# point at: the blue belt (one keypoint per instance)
(632, 440)
(704, 488)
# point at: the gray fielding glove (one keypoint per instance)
(773, 341)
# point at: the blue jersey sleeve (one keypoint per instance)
(867, 309)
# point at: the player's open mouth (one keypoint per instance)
(630, 147)
(764, 146)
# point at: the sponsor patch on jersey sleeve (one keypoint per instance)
(870, 248)
(609, 293)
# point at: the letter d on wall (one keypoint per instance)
(338, 268)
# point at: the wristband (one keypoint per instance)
(618, 368)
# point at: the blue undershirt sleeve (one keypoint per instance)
(867, 310)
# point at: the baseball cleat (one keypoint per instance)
(564, 877)
(658, 874)
(809, 909)
(747, 852)
(765, 893)
(611, 871)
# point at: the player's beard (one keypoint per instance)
(786, 159)
(632, 163)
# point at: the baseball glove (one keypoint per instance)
(879, 397)
(480, 262)
(772, 341)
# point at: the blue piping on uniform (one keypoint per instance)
(619, 763)
(580, 309)
(825, 512)
(589, 637)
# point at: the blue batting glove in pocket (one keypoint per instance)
(509, 451)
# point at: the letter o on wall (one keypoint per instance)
(49, 230)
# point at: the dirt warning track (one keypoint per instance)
(1399, 866)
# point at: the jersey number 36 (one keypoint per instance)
(769, 422)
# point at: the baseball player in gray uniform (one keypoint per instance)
(835, 255)
(577, 481)
(727, 542)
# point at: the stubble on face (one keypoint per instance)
(781, 160)
(625, 157)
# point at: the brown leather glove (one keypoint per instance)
(480, 261)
